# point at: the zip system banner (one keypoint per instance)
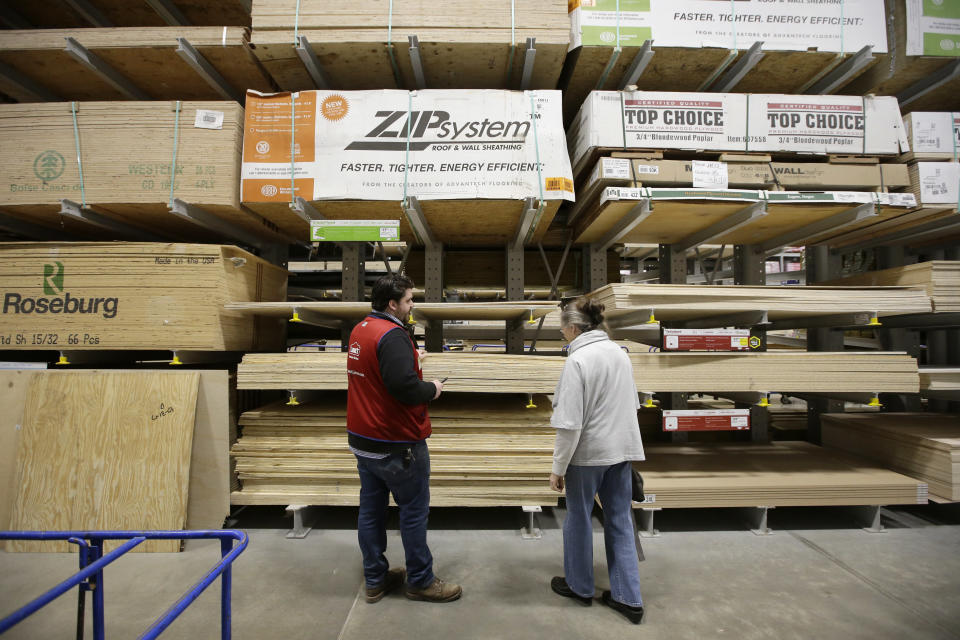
(933, 28)
(391, 145)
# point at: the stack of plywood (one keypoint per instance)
(484, 166)
(658, 372)
(145, 57)
(90, 296)
(939, 278)
(685, 302)
(127, 152)
(925, 446)
(62, 14)
(781, 474)
(364, 44)
(697, 47)
(484, 451)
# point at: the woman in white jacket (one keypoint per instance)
(595, 414)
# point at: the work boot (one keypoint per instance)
(437, 591)
(633, 614)
(391, 582)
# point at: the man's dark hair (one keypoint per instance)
(392, 286)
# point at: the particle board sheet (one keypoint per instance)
(688, 302)
(939, 278)
(484, 451)
(103, 450)
(789, 371)
(672, 221)
(463, 223)
(364, 45)
(892, 228)
(150, 296)
(145, 56)
(779, 474)
(925, 446)
(126, 151)
(62, 14)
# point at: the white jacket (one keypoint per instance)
(595, 406)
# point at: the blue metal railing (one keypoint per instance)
(93, 560)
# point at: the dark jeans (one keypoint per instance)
(407, 477)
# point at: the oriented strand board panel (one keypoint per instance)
(210, 474)
(105, 450)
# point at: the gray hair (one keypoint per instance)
(571, 316)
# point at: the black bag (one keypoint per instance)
(637, 486)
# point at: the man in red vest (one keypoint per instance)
(387, 428)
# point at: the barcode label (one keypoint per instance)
(558, 184)
(208, 119)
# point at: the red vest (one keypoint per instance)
(371, 411)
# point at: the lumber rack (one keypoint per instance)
(531, 531)
(92, 561)
(172, 357)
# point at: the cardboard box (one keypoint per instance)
(847, 125)
(356, 145)
(935, 182)
(795, 26)
(706, 340)
(933, 28)
(936, 132)
(706, 420)
(129, 295)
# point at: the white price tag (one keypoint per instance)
(646, 169)
(738, 421)
(670, 424)
(389, 233)
(208, 119)
(710, 175)
(673, 342)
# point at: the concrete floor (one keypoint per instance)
(818, 576)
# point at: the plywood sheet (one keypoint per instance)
(105, 451)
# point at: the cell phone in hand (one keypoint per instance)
(442, 380)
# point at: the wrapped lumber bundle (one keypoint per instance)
(120, 295)
(728, 122)
(939, 278)
(779, 475)
(687, 302)
(470, 158)
(146, 60)
(133, 158)
(925, 446)
(920, 65)
(366, 44)
(62, 14)
(485, 451)
(701, 46)
(658, 372)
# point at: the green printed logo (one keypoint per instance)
(941, 44)
(49, 165)
(53, 278)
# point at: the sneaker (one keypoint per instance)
(560, 587)
(437, 591)
(633, 614)
(393, 581)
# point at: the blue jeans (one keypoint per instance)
(408, 479)
(612, 484)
